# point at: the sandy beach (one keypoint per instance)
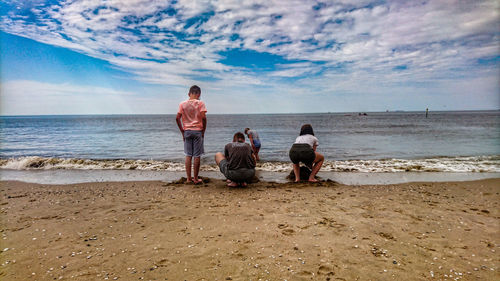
(267, 231)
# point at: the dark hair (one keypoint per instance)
(195, 90)
(239, 137)
(246, 130)
(306, 129)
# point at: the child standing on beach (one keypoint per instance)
(192, 113)
(254, 141)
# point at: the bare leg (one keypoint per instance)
(232, 184)
(318, 162)
(196, 169)
(188, 168)
(296, 171)
(256, 151)
(219, 157)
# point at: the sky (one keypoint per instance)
(294, 56)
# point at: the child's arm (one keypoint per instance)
(254, 158)
(179, 124)
(204, 122)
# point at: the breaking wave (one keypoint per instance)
(438, 164)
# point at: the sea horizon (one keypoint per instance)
(254, 113)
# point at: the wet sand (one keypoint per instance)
(267, 231)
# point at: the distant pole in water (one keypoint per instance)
(426, 112)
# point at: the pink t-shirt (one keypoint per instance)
(191, 114)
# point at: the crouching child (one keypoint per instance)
(238, 161)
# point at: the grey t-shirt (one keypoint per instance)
(254, 134)
(239, 155)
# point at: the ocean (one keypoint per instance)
(467, 141)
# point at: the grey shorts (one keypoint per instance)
(239, 175)
(193, 144)
(302, 152)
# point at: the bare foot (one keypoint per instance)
(244, 184)
(189, 180)
(313, 180)
(232, 184)
(197, 181)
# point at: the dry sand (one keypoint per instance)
(267, 231)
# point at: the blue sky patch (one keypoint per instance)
(495, 60)
(400, 67)
(252, 60)
(30, 60)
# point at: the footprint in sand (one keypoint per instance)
(306, 274)
(325, 270)
(282, 225)
(386, 235)
(288, 231)
(162, 263)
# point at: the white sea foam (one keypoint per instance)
(440, 164)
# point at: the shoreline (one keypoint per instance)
(152, 230)
(63, 176)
